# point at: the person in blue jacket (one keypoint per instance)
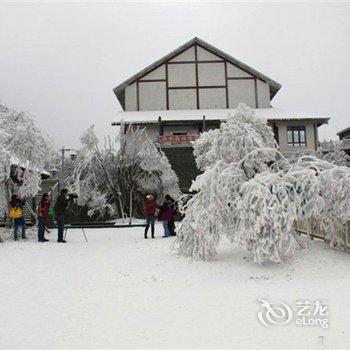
(18, 202)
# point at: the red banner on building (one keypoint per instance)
(177, 139)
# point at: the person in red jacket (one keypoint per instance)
(150, 209)
(43, 214)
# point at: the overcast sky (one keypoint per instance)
(60, 61)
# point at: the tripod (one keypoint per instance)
(66, 227)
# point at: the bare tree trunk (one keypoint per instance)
(130, 207)
(121, 207)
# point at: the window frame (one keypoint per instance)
(180, 133)
(295, 131)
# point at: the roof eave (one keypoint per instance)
(343, 131)
(320, 121)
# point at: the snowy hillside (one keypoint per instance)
(119, 290)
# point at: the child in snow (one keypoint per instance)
(166, 215)
(43, 214)
(16, 213)
(150, 209)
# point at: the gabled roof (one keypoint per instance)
(119, 90)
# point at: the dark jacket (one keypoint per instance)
(173, 206)
(166, 213)
(61, 205)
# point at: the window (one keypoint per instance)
(180, 133)
(296, 136)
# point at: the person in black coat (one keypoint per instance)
(171, 224)
(61, 213)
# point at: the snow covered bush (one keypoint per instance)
(335, 155)
(114, 179)
(252, 194)
(241, 134)
(326, 198)
(24, 148)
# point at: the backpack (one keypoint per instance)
(15, 213)
(52, 211)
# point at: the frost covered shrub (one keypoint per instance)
(114, 179)
(335, 156)
(24, 148)
(250, 193)
(241, 134)
(328, 199)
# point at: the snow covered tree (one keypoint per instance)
(335, 155)
(24, 148)
(252, 194)
(230, 156)
(328, 197)
(113, 180)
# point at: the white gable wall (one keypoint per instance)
(130, 98)
(182, 75)
(235, 72)
(204, 55)
(211, 74)
(153, 95)
(212, 98)
(187, 55)
(263, 94)
(158, 73)
(241, 91)
(183, 99)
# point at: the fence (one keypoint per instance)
(328, 146)
(312, 229)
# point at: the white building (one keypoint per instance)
(192, 89)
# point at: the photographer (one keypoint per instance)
(61, 213)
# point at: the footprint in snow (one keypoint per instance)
(259, 278)
(124, 274)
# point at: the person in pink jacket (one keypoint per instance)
(165, 215)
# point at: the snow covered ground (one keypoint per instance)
(119, 290)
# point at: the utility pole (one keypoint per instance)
(61, 179)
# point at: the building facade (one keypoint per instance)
(193, 89)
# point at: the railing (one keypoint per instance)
(312, 229)
(177, 139)
(330, 145)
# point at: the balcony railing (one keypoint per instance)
(172, 140)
